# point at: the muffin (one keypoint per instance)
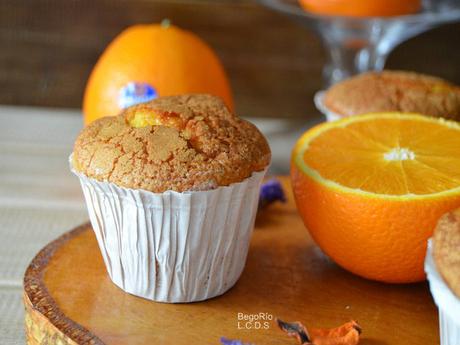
(446, 249)
(172, 187)
(391, 91)
(442, 265)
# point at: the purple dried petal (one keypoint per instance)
(225, 341)
(270, 192)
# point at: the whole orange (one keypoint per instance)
(371, 188)
(361, 8)
(146, 61)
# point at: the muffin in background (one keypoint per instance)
(391, 91)
(442, 265)
(172, 187)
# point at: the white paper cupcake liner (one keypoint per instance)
(173, 247)
(319, 103)
(448, 304)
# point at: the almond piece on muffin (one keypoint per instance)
(394, 91)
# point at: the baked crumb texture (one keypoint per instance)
(394, 91)
(446, 249)
(180, 143)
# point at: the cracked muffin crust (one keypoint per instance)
(394, 91)
(446, 245)
(180, 143)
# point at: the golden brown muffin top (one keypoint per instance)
(394, 91)
(446, 249)
(180, 143)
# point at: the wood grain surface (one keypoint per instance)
(69, 296)
(50, 46)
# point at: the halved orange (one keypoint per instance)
(371, 188)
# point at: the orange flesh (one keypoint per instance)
(393, 161)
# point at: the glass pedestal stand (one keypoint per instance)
(356, 45)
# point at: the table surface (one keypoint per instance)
(286, 276)
(40, 199)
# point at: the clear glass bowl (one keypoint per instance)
(356, 45)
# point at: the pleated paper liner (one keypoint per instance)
(448, 303)
(173, 247)
(319, 103)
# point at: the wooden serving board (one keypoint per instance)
(70, 299)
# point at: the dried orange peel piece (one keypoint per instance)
(346, 334)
